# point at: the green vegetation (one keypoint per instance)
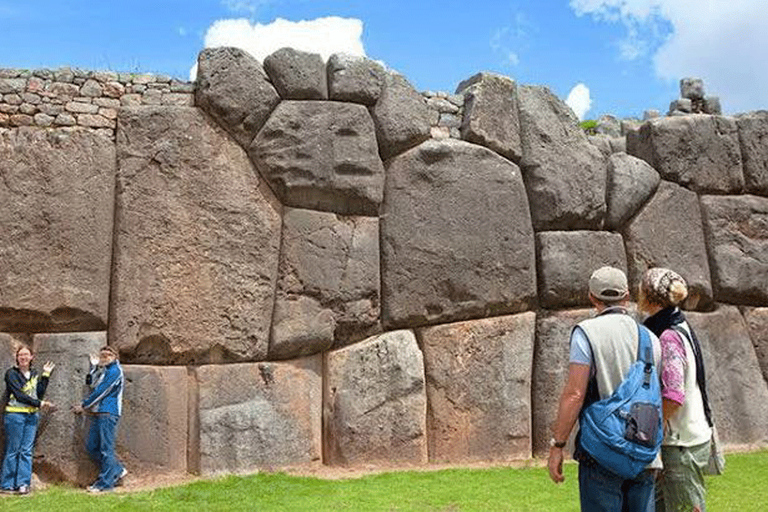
(589, 125)
(525, 489)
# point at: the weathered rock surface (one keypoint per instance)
(297, 75)
(566, 260)
(631, 181)
(354, 78)
(56, 213)
(321, 155)
(197, 243)
(550, 371)
(737, 232)
(490, 114)
(757, 323)
(328, 280)
(737, 392)
(699, 152)
(257, 416)
(608, 125)
(375, 402)
(564, 173)
(668, 232)
(479, 388)
(456, 235)
(153, 430)
(753, 138)
(401, 116)
(234, 89)
(60, 450)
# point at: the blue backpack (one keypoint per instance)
(623, 432)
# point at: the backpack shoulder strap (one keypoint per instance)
(644, 347)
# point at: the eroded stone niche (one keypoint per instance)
(306, 262)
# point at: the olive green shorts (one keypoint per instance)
(680, 486)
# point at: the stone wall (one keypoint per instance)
(308, 263)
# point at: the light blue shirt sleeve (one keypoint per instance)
(581, 352)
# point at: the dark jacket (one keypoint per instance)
(22, 394)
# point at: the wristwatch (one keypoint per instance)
(557, 444)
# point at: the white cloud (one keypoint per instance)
(579, 100)
(324, 36)
(721, 41)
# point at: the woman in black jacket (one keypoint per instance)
(24, 391)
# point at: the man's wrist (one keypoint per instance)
(554, 443)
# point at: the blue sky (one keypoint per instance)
(628, 54)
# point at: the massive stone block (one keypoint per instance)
(550, 371)
(56, 213)
(354, 78)
(197, 243)
(253, 416)
(566, 260)
(457, 242)
(401, 116)
(737, 234)
(737, 392)
(564, 173)
(328, 285)
(153, 429)
(757, 323)
(479, 388)
(374, 408)
(60, 451)
(234, 89)
(631, 182)
(297, 75)
(699, 152)
(490, 114)
(321, 155)
(668, 232)
(753, 139)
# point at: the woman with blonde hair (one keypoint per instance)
(687, 417)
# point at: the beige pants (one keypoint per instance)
(680, 487)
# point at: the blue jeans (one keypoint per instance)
(20, 429)
(101, 448)
(602, 491)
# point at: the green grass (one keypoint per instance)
(742, 489)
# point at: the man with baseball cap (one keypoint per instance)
(104, 404)
(602, 349)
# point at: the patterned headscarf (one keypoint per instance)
(657, 283)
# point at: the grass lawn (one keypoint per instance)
(743, 488)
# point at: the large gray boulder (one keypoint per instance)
(374, 409)
(457, 242)
(737, 392)
(566, 260)
(233, 88)
(257, 416)
(737, 232)
(479, 388)
(297, 75)
(699, 152)
(550, 370)
(753, 137)
(153, 431)
(60, 454)
(328, 284)
(197, 243)
(56, 213)
(490, 114)
(631, 182)
(757, 323)
(608, 125)
(564, 173)
(354, 78)
(401, 116)
(321, 155)
(668, 232)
